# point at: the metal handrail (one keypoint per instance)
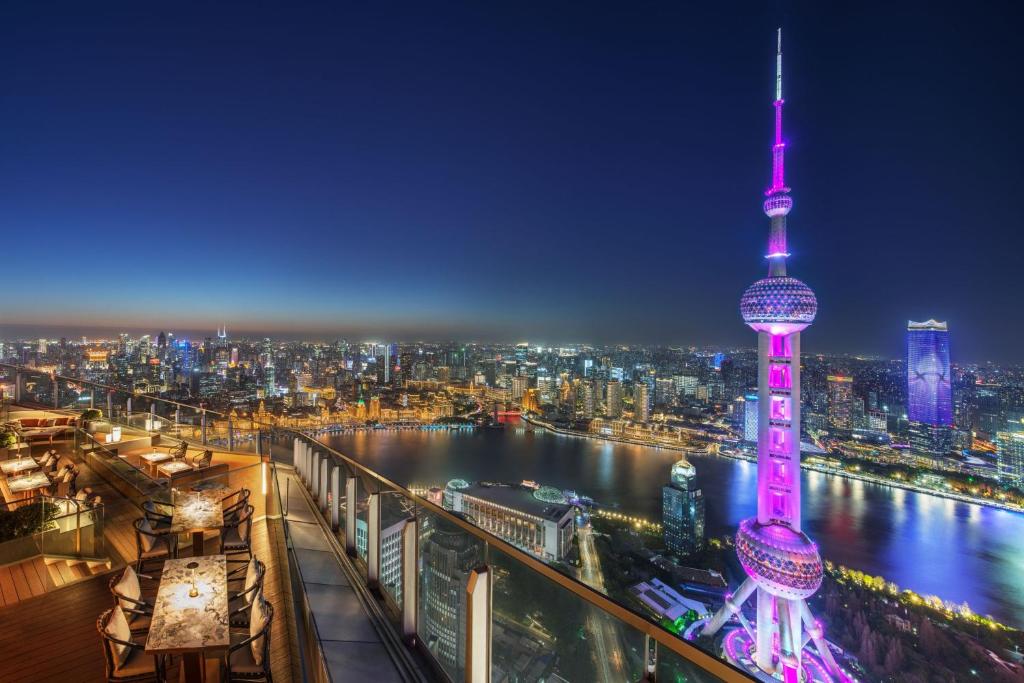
(717, 667)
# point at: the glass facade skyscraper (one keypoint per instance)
(929, 393)
(682, 511)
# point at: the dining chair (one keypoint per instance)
(178, 451)
(127, 592)
(249, 658)
(125, 659)
(234, 503)
(235, 537)
(152, 546)
(252, 589)
(157, 519)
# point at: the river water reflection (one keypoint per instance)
(931, 545)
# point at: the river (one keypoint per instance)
(958, 551)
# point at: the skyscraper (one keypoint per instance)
(448, 557)
(641, 402)
(1010, 457)
(840, 401)
(782, 564)
(929, 392)
(682, 511)
(613, 404)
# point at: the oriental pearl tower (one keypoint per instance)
(782, 564)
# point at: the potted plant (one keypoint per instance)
(8, 438)
(89, 414)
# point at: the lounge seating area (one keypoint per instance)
(179, 613)
(43, 426)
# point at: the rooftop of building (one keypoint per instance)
(516, 497)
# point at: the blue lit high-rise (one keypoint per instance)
(929, 396)
(929, 392)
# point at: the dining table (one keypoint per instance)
(29, 482)
(18, 466)
(152, 460)
(191, 614)
(196, 512)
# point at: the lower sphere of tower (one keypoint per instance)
(780, 560)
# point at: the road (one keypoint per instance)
(610, 658)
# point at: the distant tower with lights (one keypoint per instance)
(782, 564)
(929, 392)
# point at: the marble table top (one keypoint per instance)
(35, 480)
(196, 511)
(156, 457)
(174, 467)
(18, 465)
(184, 624)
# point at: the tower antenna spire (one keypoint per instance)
(778, 68)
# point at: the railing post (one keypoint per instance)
(231, 436)
(478, 626)
(323, 483)
(128, 410)
(373, 541)
(110, 405)
(410, 584)
(650, 659)
(335, 496)
(56, 393)
(259, 442)
(350, 515)
(203, 422)
(78, 528)
(92, 398)
(314, 474)
(18, 380)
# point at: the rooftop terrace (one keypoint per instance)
(441, 601)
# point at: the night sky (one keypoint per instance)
(550, 171)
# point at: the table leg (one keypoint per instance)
(193, 669)
(197, 543)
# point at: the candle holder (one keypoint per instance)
(193, 592)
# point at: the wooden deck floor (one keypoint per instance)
(48, 612)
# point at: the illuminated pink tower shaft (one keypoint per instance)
(782, 564)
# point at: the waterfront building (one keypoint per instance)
(524, 518)
(1010, 457)
(782, 564)
(613, 402)
(929, 389)
(641, 402)
(840, 401)
(682, 511)
(520, 383)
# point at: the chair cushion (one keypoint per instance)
(233, 538)
(147, 541)
(129, 587)
(29, 421)
(252, 575)
(243, 663)
(257, 620)
(118, 628)
(60, 421)
(136, 664)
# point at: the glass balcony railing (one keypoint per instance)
(476, 606)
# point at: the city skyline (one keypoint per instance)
(370, 184)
